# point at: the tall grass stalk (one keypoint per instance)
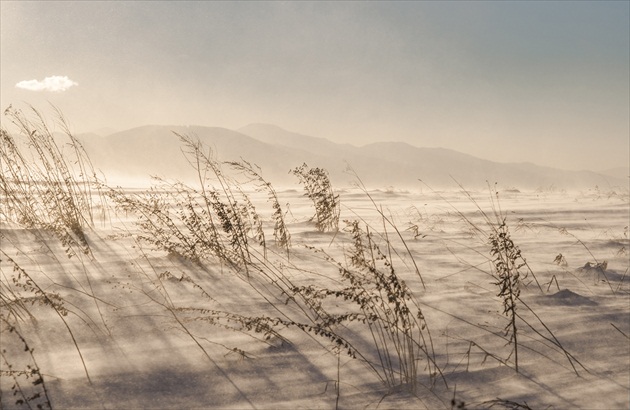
(507, 261)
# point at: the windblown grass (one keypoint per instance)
(44, 186)
(356, 293)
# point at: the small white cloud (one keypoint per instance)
(56, 83)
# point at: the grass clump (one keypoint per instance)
(44, 186)
(376, 297)
(319, 190)
(198, 223)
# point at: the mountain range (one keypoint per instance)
(132, 155)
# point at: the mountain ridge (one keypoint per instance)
(156, 150)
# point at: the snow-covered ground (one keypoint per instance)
(150, 329)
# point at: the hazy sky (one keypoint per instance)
(543, 82)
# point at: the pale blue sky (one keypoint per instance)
(543, 82)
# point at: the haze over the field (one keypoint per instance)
(545, 82)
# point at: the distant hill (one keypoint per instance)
(272, 134)
(619, 172)
(155, 150)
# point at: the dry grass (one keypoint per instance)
(42, 184)
(359, 304)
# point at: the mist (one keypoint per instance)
(545, 83)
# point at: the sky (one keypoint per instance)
(541, 82)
